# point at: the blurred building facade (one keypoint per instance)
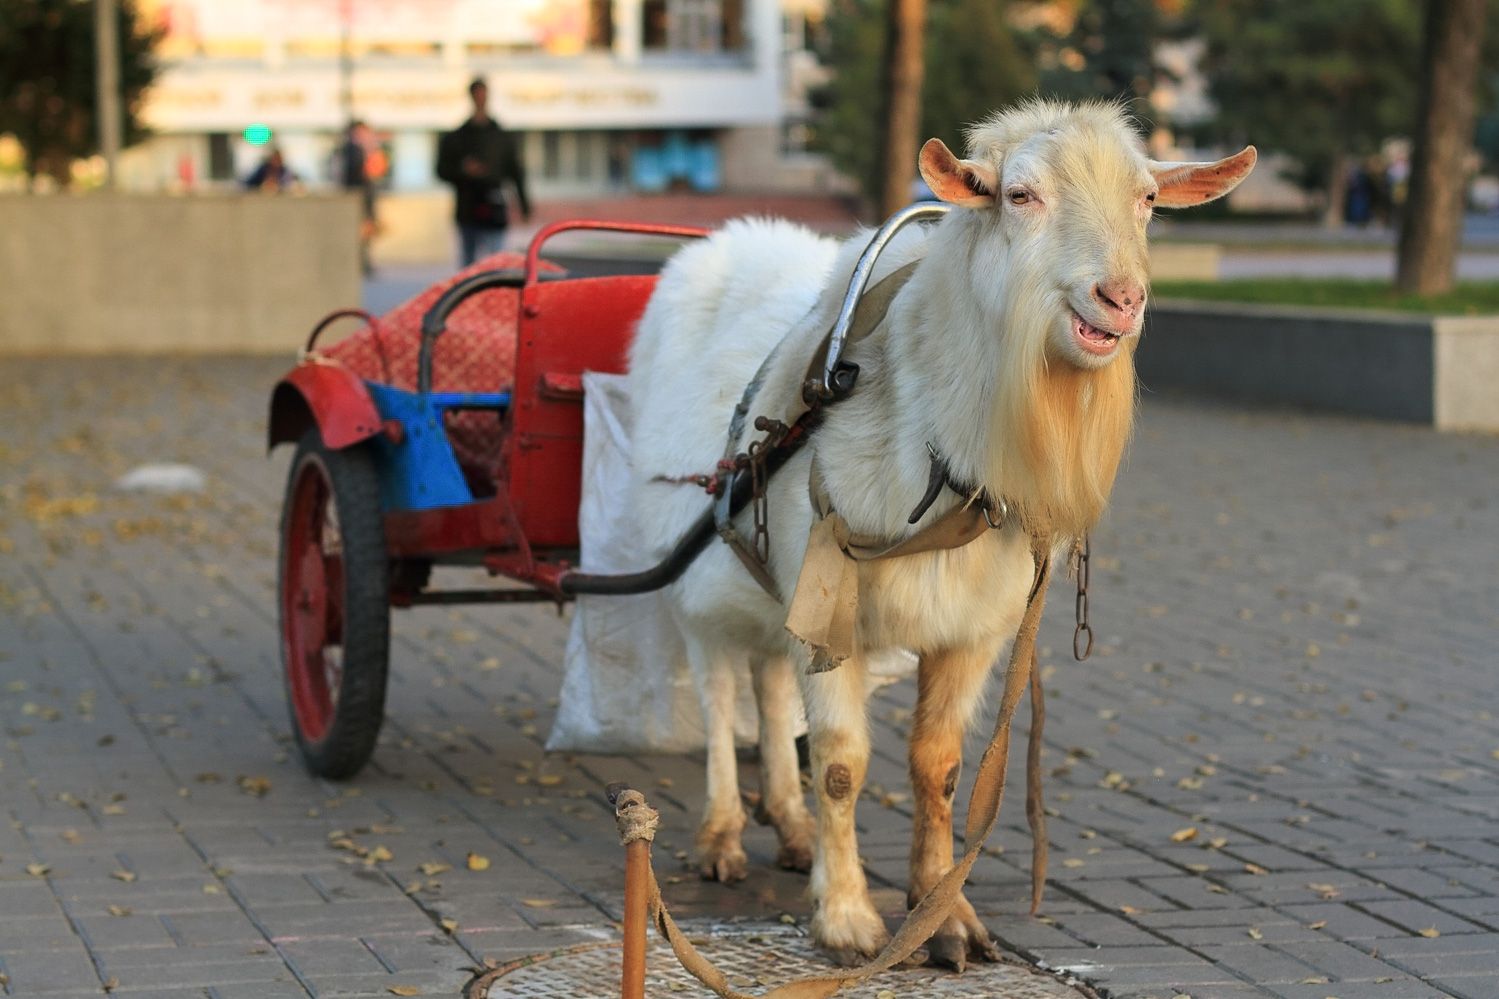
(612, 96)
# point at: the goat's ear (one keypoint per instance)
(965, 183)
(1185, 185)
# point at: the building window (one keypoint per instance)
(692, 25)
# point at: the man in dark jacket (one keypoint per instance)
(477, 159)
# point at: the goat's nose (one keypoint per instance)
(1124, 297)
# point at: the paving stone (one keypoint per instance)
(1416, 916)
(1468, 988)
(1366, 539)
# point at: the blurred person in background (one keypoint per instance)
(273, 175)
(352, 166)
(478, 159)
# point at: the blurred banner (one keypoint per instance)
(246, 28)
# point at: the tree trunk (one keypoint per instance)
(904, 69)
(1337, 192)
(107, 81)
(1431, 231)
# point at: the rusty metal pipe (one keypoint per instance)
(637, 887)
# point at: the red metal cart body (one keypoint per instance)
(392, 477)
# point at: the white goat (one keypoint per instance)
(1009, 351)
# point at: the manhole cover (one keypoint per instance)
(756, 957)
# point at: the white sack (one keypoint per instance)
(626, 686)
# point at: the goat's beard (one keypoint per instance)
(1057, 431)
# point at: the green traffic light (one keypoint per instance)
(258, 135)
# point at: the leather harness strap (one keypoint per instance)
(823, 614)
(983, 811)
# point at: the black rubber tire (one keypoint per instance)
(359, 710)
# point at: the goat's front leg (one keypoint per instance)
(844, 921)
(949, 686)
(720, 846)
(781, 803)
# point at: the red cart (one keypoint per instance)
(391, 477)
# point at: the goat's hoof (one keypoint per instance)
(851, 940)
(960, 940)
(725, 868)
(721, 855)
(795, 857)
(797, 835)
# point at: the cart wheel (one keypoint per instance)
(335, 605)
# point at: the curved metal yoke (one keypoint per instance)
(831, 384)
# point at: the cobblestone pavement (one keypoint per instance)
(1278, 775)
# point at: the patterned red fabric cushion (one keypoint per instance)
(476, 353)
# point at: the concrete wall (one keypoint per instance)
(1185, 261)
(417, 227)
(1442, 371)
(101, 274)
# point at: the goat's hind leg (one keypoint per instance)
(949, 686)
(720, 845)
(781, 802)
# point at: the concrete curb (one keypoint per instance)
(1438, 370)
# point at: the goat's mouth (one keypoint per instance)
(1090, 338)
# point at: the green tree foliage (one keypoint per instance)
(975, 63)
(1317, 79)
(47, 81)
(1110, 53)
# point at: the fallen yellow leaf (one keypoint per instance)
(256, 786)
(432, 867)
(38, 870)
(1317, 925)
(476, 862)
(539, 903)
(1430, 933)
(1130, 910)
(404, 990)
(378, 854)
(119, 910)
(1182, 835)
(1255, 869)
(1255, 934)
(125, 876)
(451, 925)
(1073, 862)
(549, 780)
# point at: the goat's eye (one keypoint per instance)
(1150, 198)
(1019, 197)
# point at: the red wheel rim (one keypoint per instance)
(312, 589)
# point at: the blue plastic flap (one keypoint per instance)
(422, 472)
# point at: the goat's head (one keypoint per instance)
(1061, 196)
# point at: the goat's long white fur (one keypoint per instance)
(981, 357)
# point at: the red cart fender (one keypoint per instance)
(327, 394)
